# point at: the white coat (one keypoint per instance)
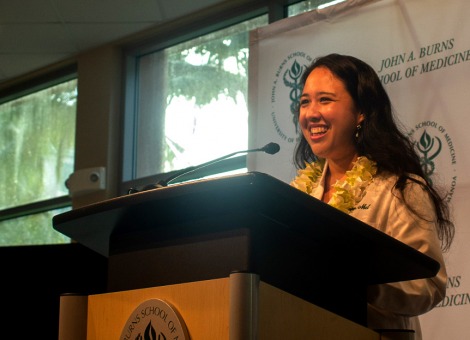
(397, 305)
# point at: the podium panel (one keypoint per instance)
(226, 309)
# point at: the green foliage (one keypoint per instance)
(31, 230)
(213, 65)
(305, 6)
(37, 140)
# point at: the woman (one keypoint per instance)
(355, 158)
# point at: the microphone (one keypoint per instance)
(270, 148)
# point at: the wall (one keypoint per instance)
(98, 117)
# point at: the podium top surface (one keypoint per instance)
(251, 193)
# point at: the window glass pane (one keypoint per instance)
(192, 101)
(308, 5)
(31, 230)
(37, 141)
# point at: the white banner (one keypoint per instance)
(421, 51)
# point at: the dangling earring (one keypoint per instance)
(358, 130)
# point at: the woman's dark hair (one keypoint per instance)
(380, 137)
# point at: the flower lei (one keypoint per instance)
(348, 192)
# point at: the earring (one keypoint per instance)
(358, 129)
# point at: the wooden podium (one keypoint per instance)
(191, 236)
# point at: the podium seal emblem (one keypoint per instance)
(155, 319)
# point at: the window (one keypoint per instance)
(308, 5)
(37, 142)
(191, 104)
(187, 103)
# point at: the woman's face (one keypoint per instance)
(328, 116)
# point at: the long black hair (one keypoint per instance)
(380, 138)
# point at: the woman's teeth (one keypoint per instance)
(318, 130)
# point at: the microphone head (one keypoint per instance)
(271, 148)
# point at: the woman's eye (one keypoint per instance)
(325, 99)
(304, 102)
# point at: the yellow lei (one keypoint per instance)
(348, 192)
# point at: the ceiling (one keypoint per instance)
(38, 33)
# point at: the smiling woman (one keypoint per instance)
(328, 118)
(352, 142)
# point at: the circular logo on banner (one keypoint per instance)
(437, 153)
(155, 319)
(285, 95)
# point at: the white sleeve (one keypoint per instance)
(415, 297)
